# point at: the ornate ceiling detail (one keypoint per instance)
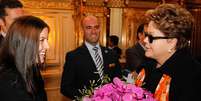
(116, 3)
(105, 3)
(94, 9)
(93, 2)
(120, 3)
(141, 4)
(71, 4)
(51, 4)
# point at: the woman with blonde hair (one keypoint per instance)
(174, 75)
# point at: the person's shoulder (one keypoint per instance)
(183, 58)
(9, 76)
(12, 86)
(133, 47)
(76, 50)
(131, 50)
(105, 49)
(197, 67)
(117, 48)
(148, 66)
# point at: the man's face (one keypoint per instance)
(91, 29)
(11, 15)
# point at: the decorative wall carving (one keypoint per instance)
(93, 9)
(116, 3)
(51, 4)
(96, 3)
(61, 37)
(120, 3)
(131, 19)
(139, 3)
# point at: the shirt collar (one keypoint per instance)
(3, 34)
(142, 46)
(90, 46)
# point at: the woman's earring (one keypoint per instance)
(170, 50)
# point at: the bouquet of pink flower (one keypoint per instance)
(119, 91)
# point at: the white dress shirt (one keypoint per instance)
(92, 52)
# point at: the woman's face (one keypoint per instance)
(158, 48)
(43, 44)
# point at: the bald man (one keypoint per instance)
(81, 66)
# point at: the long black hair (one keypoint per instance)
(20, 48)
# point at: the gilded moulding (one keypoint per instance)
(47, 4)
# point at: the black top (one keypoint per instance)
(185, 73)
(12, 86)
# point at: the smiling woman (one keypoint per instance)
(21, 54)
(43, 45)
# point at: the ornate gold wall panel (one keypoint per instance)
(61, 40)
(93, 3)
(59, 16)
(142, 3)
(131, 19)
(61, 36)
(116, 3)
(50, 4)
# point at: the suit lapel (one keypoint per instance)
(87, 55)
(1, 38)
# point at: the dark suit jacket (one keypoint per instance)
(117, 51)
(80, 68)
(135, 56)
(1, 39)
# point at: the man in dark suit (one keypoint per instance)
(113, 44)
(135, 55)
(9, 11)
(81, 66)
